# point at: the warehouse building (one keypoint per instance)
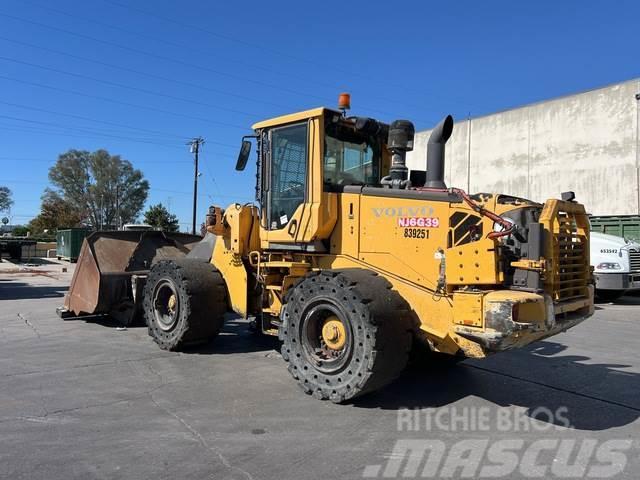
(588, 142)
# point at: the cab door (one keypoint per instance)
(287, 177)
(295, 210)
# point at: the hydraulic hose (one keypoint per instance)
(509, 227)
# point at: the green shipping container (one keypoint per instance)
(69, 242)
(626, 226)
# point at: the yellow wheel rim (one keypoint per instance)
(334, 333)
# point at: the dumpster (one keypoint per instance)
(68, 243)
(625, 226)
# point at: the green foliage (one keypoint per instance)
(5, 199)
(159, 217)
(55, 213)
(100, 186)
(20, 231)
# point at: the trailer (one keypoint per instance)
(625, 226)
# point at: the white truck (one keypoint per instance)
(616, 263)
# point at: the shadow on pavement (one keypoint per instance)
(590, 393)
(10, 290)
(626, 300)
(566, 383)
(32, 261)
(237, 338)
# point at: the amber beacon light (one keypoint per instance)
(344, 101)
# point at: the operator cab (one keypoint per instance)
(306, 158)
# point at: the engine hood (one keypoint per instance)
(607, 251)
(604, 240)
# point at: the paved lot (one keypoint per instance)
(84, 400)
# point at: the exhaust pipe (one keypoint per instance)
(435, 153)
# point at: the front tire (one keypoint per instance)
(184, 303)
(345, 333)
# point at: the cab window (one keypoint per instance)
(288, 177)
(350, 158)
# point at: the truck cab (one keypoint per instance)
(616, 264)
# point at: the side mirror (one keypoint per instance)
(243, 156)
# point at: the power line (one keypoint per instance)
(89, 128)
(53, 160)
(162, 57)
(192, 49)
(234, 197)
(77, 135)
(252, 65)
(88, 119)
(262, 47)
(144, 73)
(188, 64)
(89, 131)
(151, 189)
(52, 112)
(106, 99)
(120, 85)
(36, 131)
(147, 74)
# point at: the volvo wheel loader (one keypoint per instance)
(348, 263)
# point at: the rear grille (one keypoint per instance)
(634, 261)
(571, 269)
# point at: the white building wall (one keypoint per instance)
(587, 143)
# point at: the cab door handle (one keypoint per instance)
(293, 226)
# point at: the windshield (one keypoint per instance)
(350, 158)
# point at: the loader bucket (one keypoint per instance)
(112, 268)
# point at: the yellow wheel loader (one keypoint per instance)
(349, 263)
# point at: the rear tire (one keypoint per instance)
(184, 303)
(374, 339)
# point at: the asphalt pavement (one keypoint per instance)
(84, 399)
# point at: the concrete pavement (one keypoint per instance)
(84, 400)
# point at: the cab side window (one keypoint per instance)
(288, 176)
(349, 159)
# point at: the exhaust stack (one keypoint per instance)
(435, 153)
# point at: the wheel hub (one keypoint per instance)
(171, 304)
(334, 334)
(165, 305)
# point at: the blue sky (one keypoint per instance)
(139, 77)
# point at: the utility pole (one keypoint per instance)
(118, 218)
(195, 149)
(102, 211)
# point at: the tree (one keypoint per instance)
(5, 199)
(20, 231)
(159, 217)
(104, 187)
(55, 213)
